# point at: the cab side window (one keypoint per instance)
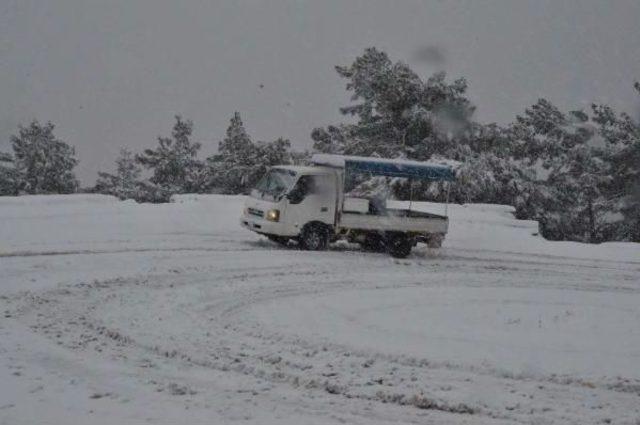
(305, 186)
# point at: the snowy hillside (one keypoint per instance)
(117, 312)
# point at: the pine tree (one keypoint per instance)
(237, 145)
(44, 164)
(274, 153)
(569, 195)
(234, 166)
(240, 163)
(8, 176)
(488, 173)
(331, 140)
(398, 114)
(125, 182)
(621, 133)
(269, 154)
(544, 135)
(174, 163)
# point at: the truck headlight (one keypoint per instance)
(273, 215)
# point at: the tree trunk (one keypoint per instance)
(592, 222)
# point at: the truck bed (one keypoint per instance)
(401, 220)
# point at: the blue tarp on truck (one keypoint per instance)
(406, 169)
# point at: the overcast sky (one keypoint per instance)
(113, 73)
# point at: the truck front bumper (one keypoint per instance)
(262, 226)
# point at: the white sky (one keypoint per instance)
(113, 73)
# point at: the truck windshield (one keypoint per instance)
(276, 182)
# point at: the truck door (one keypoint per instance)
(313, 198)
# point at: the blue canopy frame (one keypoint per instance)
(399, 169)
(405, 169)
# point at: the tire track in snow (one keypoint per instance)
(233, 345)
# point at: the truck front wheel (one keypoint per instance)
(314, 237)
(399, 245)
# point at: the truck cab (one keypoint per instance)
(289, 200)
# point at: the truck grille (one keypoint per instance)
(255, 212)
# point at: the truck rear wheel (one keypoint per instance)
(314, 237)
(399, 245)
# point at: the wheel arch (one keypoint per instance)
(328, 227)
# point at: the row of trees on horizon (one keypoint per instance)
(576, 172)
(43, 164)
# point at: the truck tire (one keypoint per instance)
(398, 245)
(280, 240)
(314, 237)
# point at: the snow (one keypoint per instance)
(514, 329)
(117, 312)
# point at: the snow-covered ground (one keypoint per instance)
(114, 312)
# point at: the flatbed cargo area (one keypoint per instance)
(396, 220)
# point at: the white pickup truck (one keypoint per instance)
(308, 204)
